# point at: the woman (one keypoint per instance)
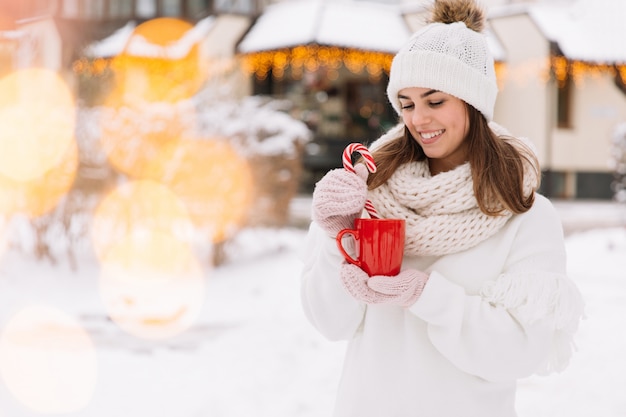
(483, 298)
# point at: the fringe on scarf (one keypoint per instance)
(534, 296)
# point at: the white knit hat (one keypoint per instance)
(450, 58)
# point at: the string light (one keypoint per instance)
(90, 67)
(311, 57)
(564, 69)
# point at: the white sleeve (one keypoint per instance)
(521, 323)
(327, 305)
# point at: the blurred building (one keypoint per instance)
(83, 22)
(563, 85)
(561, 69)
(561, 66)
(28, 35)
(331, 60)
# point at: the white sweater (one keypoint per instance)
(488, 316)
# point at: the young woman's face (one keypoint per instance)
(439, 122)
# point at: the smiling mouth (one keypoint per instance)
(431, 135)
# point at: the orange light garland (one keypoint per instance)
(91, 67)
(312, 57)
(562, 68)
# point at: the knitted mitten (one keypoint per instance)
(402, 290)
(354, 280)
(339, 198)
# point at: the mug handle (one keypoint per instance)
(355, 235)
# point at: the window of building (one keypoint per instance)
(120, 9)
(197, 8)
(92, 9)
(554, 184)
(565, 92)
(247, 7)
(70, 8)
(83, 9)
(171, 8)
(368, 109)
(594, 185)
(146, 9)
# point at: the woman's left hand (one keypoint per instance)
(403, 290)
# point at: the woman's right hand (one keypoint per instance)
(339, 198)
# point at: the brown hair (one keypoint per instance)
(497, 165)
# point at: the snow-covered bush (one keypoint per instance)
(268, 139)
(61, 234)
(618, 162)
(271, 141)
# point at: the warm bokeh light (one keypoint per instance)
(163, 32)
(47, 361)
(564, 69)
(40, 195)
(313, 57)
(152, 285)
(159, 63)
(207, 177)
(215, 183)
(138, 207)
(37, 120)
(136, 135)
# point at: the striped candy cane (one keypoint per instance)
(369, 163)
(365, 153)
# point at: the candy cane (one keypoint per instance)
(369, 207)
(367, 156)
(369, 163)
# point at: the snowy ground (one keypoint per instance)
(251, 352)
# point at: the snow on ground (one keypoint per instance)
(252, 352)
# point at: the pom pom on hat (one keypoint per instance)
(451, 55)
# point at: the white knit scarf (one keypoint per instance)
(441, 212)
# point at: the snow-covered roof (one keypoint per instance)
(112, 45)
(124, 39)
(495, 46)
(586, 30)
(345, 23)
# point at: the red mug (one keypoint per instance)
(379, 245)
